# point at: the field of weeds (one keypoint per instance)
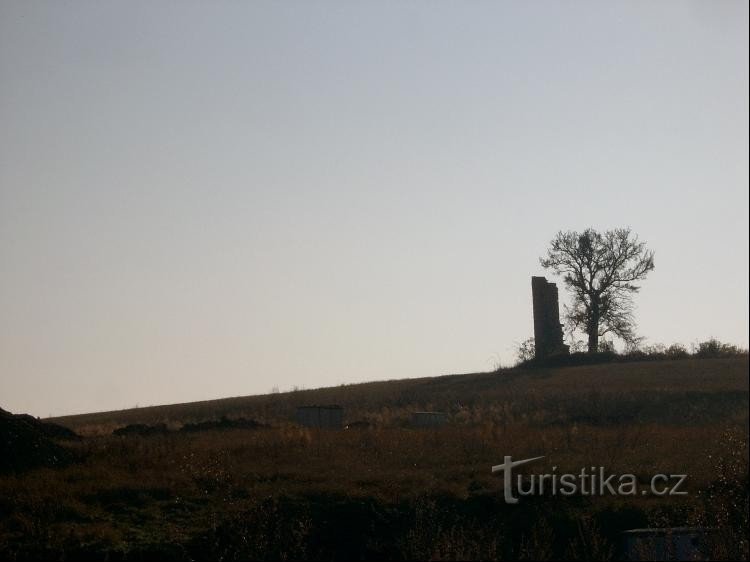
(389, 490)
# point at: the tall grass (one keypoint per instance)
(390, 491)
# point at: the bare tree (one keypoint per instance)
(601, 270)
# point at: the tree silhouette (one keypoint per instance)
(601, 270)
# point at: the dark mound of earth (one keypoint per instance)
(26, 443)
(51, 430)
(223, 423)
(141, 430)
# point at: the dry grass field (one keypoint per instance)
(389, 490)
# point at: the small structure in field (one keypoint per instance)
(330, 417)
(678, 543)
(429, 419)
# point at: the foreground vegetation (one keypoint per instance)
(387, 490)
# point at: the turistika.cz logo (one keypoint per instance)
(590, 481)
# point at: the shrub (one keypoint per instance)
(676, 351)
(526, 350)
(606, 346)
(713, 348)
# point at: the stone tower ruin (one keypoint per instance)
(548, 334)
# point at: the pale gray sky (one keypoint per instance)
(209, 199)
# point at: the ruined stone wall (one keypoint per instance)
(548, 334)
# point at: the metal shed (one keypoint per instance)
(677, 543)
(320, 416)
(429, 419)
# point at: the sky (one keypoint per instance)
(211, 199)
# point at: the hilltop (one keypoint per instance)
(678, 391)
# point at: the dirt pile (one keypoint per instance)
(141, 430)
(26, 443)
(223, 423)
(144, 430)
(51, 430)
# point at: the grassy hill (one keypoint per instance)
(675, 392)
(391, 490)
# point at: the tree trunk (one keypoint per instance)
(594, 325)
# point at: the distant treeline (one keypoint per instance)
(709, 349)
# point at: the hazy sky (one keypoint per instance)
(210, 199)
